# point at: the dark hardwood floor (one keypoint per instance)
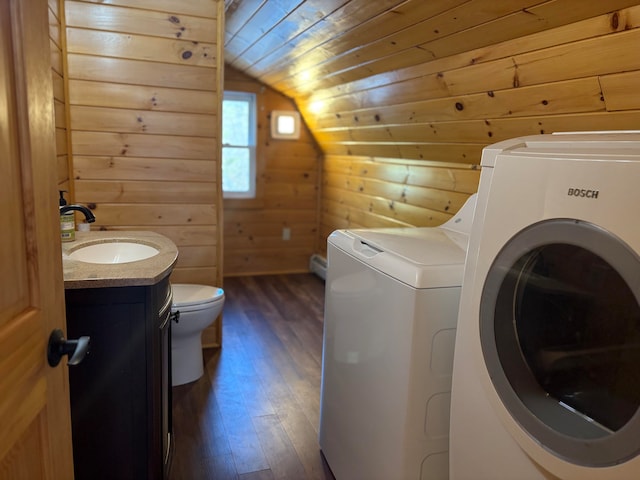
(254, 414)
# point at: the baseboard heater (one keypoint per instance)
(318, 265)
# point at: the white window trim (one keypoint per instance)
(253, 126)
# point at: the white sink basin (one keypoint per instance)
(113, 252)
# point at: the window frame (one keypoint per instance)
(252, 100)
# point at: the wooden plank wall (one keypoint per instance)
(144, 80)
(401, 96)
(56, 41)
(402, 141)
(286, 195)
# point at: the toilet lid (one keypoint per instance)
(190, 294)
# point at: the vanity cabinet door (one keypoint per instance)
(163, 378)
(120, 403)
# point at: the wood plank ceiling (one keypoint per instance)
(302, 47)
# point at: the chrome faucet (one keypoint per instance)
(88, 215)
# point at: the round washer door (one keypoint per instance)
(560, 336)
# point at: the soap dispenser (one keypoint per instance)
(67, 222)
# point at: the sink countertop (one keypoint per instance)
(139, 273)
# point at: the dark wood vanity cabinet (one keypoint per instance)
(121, 392)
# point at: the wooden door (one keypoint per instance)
(35, 425)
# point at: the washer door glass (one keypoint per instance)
(560, 334)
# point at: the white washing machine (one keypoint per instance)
(391, 307)
(546, 380)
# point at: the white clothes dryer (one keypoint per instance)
(546, 378)
(391, 308)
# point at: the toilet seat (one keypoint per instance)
(192, 297)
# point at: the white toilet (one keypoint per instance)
(199, 306)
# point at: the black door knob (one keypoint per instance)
(58, 346)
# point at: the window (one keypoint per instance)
(239, 145)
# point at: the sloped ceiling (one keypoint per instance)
(302, 46)
(409, 79)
